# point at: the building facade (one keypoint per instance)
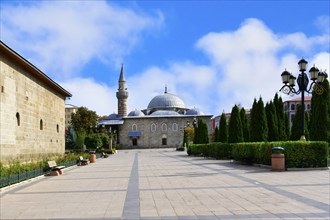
(290, 107)
(69, 109)
(32, 110)
(161, 124)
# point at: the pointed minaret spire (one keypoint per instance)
(122, 94)
(122, 77)
(165, 88)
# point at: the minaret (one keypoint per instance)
(122, 94)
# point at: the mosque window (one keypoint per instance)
(134, 127)
(175, 127)
(41, 125)
(153, 127)
(18, 119)
(164, 127)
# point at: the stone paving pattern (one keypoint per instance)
(166, 184)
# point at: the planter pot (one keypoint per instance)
(278, 162)
(92, 158)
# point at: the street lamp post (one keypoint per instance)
(195, 122)
(185, 134)
(288, 80)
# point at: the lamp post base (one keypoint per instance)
(302, 138)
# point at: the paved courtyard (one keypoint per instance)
(166, 184)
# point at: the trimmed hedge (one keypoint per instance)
(216, 150)
(298, 154)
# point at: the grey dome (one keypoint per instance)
(166, 101)
(194, 111)
(112, 117)
(136, 113)
(164, 112)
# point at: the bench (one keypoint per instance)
(54, 169)
(82, 161)
(104, 155)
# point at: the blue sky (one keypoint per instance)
(212, 54)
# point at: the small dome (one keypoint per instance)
(136, 113)
(166, 101)
(164, 112)
(194, 111)
(112, 116)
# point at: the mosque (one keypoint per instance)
(161, 124)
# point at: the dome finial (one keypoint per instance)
(165, 88)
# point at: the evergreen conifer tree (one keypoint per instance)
(271, 122)
(280, 114)
(254, 121)
(196, 135)
(320, 115)
(205, 133)
(258, 129)
(296, 126)
(245, 125)
(287, 126)
(216, 134)
(201, 133)
(223, 129)
(235, 134)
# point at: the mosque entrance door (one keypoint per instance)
(134, 141)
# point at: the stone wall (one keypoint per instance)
(154, 129)
(32, 116)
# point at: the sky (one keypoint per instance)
(212, 54)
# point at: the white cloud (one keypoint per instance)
(93, 95)
(245, 64)
(249, 61)
(190, 82)
(61, 37)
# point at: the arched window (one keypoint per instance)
(164, 127)
(153, 127)
(293, 106)
(175, 127)
(41, 125)
(134, 127)
(18, 119)
(57, 128)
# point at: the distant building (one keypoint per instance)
(216, 119)
(161, 124)
(69, 109)
(290, 106)
(32, 110)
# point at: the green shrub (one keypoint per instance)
(196, 149)
(297, 153)
(306, 154)
(243, 152)
(93, 141)
(16, 167)
(219, 150)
